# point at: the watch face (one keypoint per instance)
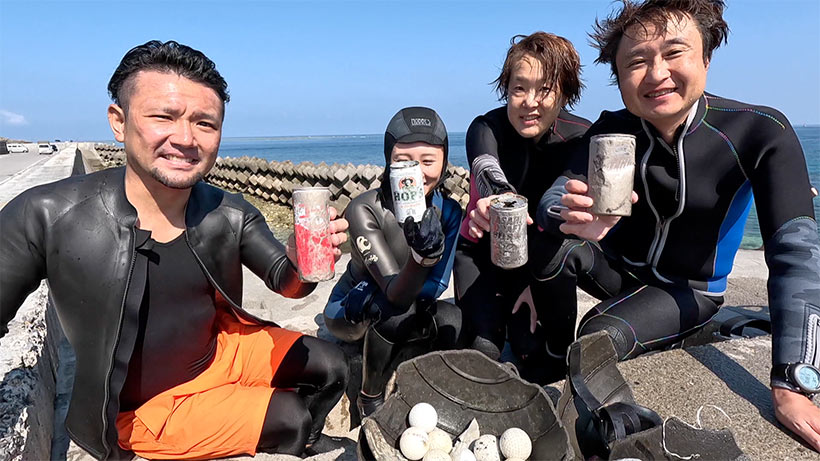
(807, 377)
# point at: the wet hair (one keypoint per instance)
(558, 58)
(656, 14)
(166, 57)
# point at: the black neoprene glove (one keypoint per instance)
(425, 238)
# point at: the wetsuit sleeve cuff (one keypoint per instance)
(285, 280)
(548, 213)
(784, 385)
(422, 261)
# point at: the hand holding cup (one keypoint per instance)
(579, 220)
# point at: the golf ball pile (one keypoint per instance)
(424, 441)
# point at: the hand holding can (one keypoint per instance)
(611, 174)
(508, 231)
(311, 222)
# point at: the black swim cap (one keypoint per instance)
(415, 124)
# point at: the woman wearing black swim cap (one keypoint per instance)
(389, 293)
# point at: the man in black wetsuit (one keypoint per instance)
(144, 265)
(521, 148)
(699, 158)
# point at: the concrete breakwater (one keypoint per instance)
(275, 181)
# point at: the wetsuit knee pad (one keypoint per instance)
(522, 342)
(556, 258)
(449, 326)
(344, 329)
(349, 316)
(397, 324)
(486, 347)
(622, 338)
(287, 424)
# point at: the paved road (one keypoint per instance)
(13, 163)
(19, 172)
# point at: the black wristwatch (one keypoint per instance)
(800, 377)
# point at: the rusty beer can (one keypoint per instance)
(611, 174)
(311, 223)
(508, 231)
(407, 185)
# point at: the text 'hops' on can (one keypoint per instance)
(407, 185)
(508, 231)
(611, 173)
(311, 223)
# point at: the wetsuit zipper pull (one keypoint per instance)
(677, 168)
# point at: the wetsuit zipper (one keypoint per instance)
(116, 344)
(658, 219)
(677, 166)
(662, 224)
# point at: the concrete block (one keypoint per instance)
(341, 203)
(340, 176)
(335, 189)
(27, 385)
(351, 188)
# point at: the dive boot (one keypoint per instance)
(377, 354)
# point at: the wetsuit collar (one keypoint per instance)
(696, 114)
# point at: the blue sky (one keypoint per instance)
(345, 67)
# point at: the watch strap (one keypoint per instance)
(780, 378)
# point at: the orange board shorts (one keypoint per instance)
(220, 412)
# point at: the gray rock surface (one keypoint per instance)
(26, 383)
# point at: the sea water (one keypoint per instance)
(368, 148)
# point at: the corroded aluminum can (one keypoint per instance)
(311, 222)
(508, 231)
(407, 185)
(611, 174)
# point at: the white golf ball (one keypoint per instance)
(465, 455)
(437, 455)
(515, 443)
(414, 443)
(423, 416)
(440, 440)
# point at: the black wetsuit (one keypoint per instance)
(381, 258)
(502, 161)
(665, 266)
